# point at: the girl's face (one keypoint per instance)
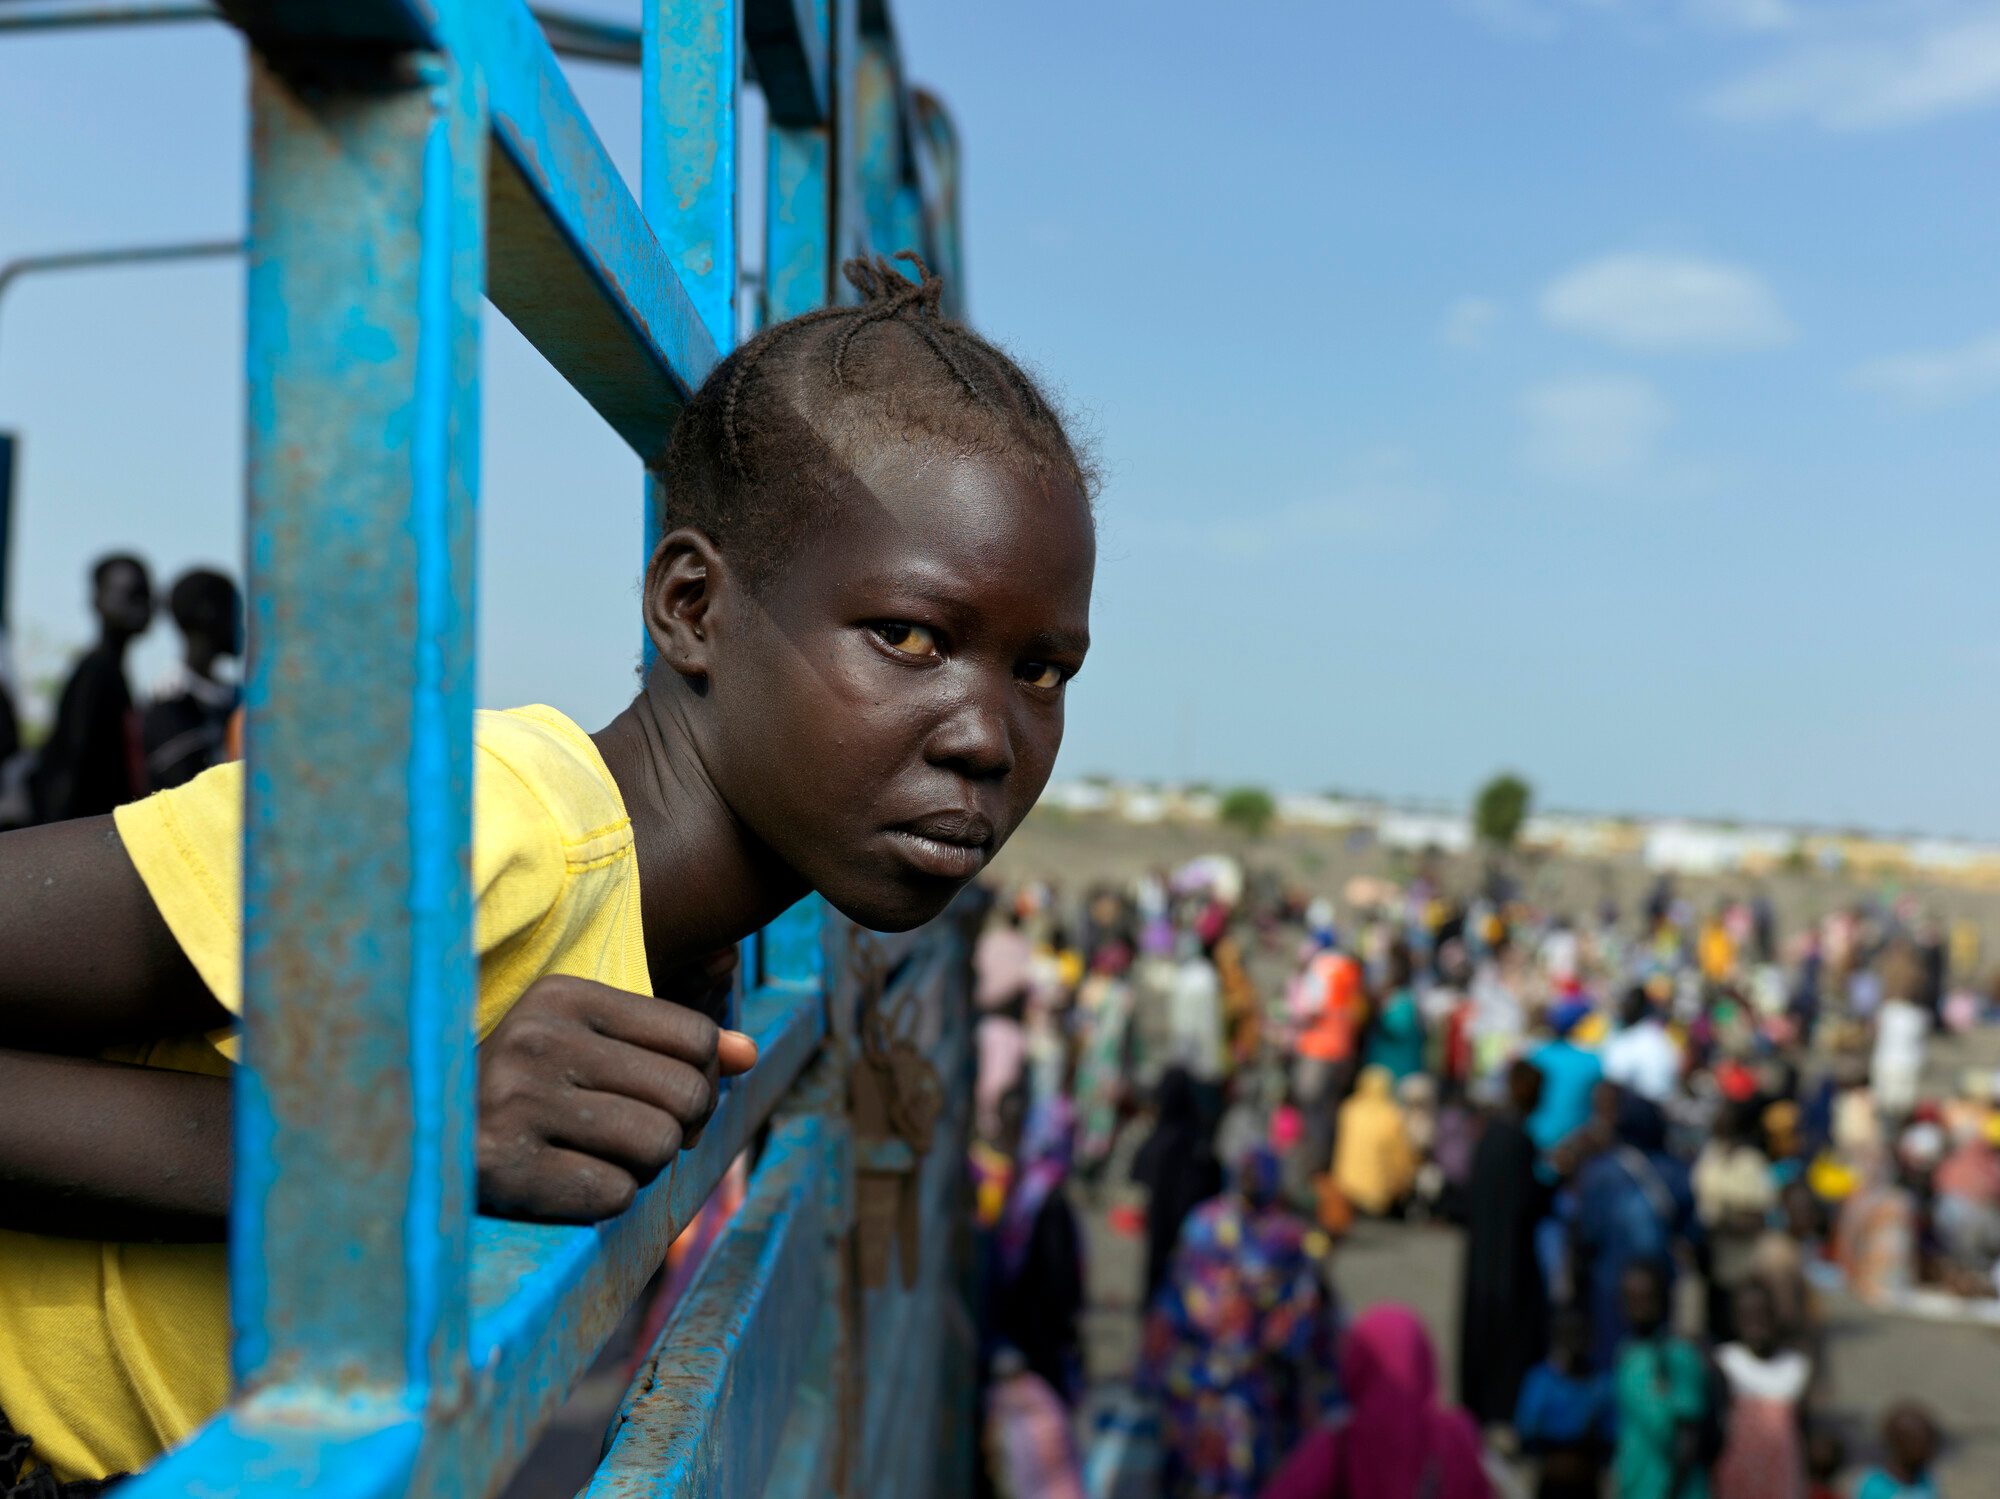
(884, 711)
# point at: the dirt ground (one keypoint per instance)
(1078, 851)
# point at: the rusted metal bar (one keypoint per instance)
(364, 302)
(709, 1409)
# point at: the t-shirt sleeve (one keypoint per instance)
(187, 845)
(519, 869)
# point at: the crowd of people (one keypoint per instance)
(105, 747)
(1666, 1136)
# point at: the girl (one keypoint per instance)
(1763, 1456)
(872, 585)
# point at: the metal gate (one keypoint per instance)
(408, 159)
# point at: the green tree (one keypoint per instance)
(1501, 809)
(1248, 809)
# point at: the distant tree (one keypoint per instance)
(1501, 809)
(1248, 809)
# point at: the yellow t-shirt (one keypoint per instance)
(112, 1353)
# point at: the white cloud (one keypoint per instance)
(1469, 322)
(1666, 302)
(1892, 65)
(1940, 377)
(1594, 429)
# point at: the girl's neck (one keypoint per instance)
(705, 881)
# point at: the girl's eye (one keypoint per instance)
(910, 640)
(1044, 674)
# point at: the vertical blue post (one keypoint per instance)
(798, 187)
(797, 222)
(354, 1112)
(693, 59)
(878, 162)
(936, 142)
(687, 168)
(850, 213)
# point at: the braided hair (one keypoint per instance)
(768, 447)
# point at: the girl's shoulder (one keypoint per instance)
(542, 752)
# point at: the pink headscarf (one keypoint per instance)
(1397, 1442)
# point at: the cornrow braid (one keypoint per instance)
(768, 446)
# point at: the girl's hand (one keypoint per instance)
(587, 1092)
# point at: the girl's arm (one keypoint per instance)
(585, 1094)
(86, 961)
(103, 1150)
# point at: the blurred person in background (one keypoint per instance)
(1195, 1025)
(1569, 1074)
(1178, 1168)
(1666, 1416)
(92, 762)
(1329, 1007)
(1909, 1446)
(1565, 1418)
(1633, 1205)
(1396, 1039)
(1503, 1307)
(1733, 1196)
(1038, 1274)
(185, 728)
(1374, 1160)
(13, 762)
(1641, 1057)
(1103, 1015)
(1875, 1236)
(1030, 1448)
(1002, 968)
(1395, 1441)
(1763, 1454)
(1966, 1196)
(1902, 1028)
(1239, 1342)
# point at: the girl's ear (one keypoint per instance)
(681, 584)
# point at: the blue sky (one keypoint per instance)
(1608, 389)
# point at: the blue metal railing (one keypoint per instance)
(410, 158)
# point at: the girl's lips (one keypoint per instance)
(937, 857)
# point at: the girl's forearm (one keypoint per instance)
(102, 1150)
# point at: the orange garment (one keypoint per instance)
(1330, 1035)
(1718, 953)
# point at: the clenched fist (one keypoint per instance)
(587, 1092)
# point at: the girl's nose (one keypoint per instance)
(975, 738)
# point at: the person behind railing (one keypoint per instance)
(185, 728)
(872, 586)
(91, 762)
(13, 761)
